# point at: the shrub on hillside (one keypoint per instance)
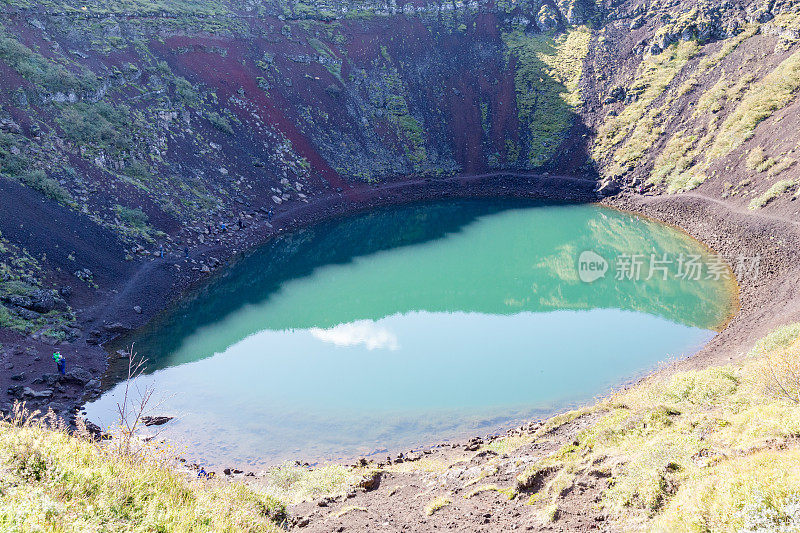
(136, 169)
(101, 124)
(38, 180)
(135, 218)
(220, 122)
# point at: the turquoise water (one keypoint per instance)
(415, 324)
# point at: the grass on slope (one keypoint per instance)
(637, 124)
(548, 71)
(773, 192)
(51, 481)
(294, 484)
(706, 450)
(675, 165)
(776, 90)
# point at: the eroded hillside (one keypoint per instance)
(131, 130)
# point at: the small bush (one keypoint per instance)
(185, 92)
(136, 169)
(100, 123)
(220, 122)
(12, 164)
(38, 180)
(755, 157)
(757, 160)
(770, 194)
(135, 218)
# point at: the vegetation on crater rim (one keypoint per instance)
(700, 450)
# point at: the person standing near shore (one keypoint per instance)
(59, 359)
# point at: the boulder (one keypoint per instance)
(608, 187)
(79, 375)
(42, 301)
(116, 327)
(371, 481)
(28, 392)
(156, 420)
(23, 312)
(48, 379)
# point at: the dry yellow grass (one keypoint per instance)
(773, 192)
(769, 94)
(706, 450)
(437, 504)
(51, 481)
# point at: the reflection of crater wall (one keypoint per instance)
(493, 261)
(258, 275)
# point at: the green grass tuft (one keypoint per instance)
(437, 504)
(776, 90)
(773, 192)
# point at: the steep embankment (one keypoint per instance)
(127, 129)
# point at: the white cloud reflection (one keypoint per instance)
(365, 332)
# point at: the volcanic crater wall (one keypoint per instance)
(151, 123)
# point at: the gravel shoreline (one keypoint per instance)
(766, 301)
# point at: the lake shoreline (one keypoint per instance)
(488, 248)
(711, 222)
(765, 302)
(726, 231)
